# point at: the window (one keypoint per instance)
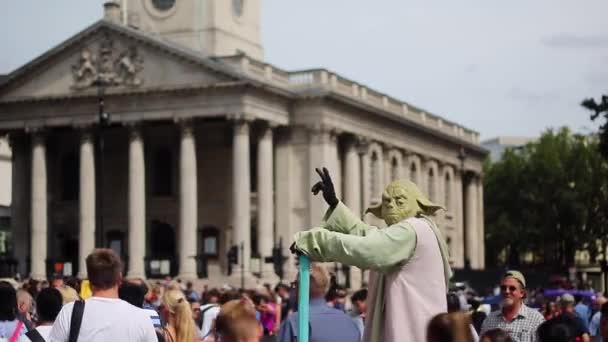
(414, 173)
(448, 192)
(431, 184)
(70, 177)
(209, 241)
(163, 172)
(394, 169)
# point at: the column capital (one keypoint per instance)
(186, 126)
(323, 133)
(238, 118)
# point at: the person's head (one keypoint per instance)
(282, 290)
(453, 302)
(57, 280)
(175, 310)
(104, 269)
(227, 296)
(578, 298)
(189, 286)
(237, 322)
(131, 293)
(604, 319)
(449, 327)
(567, 302)
(196, 310)
(512, 288)
(495, 335)
(598, 302)
(48, 304)
(319, 280)
(400, 200)
(359, 301)
(24, 301)
(555, 331)
(8, 302)
(212, 296)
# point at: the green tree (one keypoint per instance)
(598, 109)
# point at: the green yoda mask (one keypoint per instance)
(401, 200)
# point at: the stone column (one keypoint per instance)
(39, 208)
(352, 178)
(265, 217)
(363, 150)
(470, 221)
(20, 205)
(188, 208)
(137, 204)
(321, 154)
(284, 196)
(481, 225)
(86, 201)
(241, 191)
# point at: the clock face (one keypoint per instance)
(237, 7)
(163, 5)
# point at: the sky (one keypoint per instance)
(502, 68)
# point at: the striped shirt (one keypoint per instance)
(521, 329)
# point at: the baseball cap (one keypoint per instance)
(515, 275)
(567, 298)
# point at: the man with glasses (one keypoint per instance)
(514, 317)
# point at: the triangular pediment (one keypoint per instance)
(118, 57)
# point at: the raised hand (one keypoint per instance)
(326, 187)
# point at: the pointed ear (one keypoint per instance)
(375, 210)
(428, 208)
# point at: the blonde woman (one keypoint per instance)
(175, 310)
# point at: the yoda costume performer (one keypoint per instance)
(408, 260)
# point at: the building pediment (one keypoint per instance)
(115, 57)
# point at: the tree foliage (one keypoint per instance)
(548, 198)
(598, 109)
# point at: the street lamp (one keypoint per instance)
(103, 121)
(462, 156)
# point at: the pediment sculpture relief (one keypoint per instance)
(110, 66)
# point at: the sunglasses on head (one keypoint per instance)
(511, 288)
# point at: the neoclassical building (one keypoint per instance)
(206, 146)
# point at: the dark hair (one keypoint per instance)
(604, 309)
(228, 296)
(450, 327)
(8, 302)
(578, 298)
(281, 286)
(48, 304)
(104, 268)
(496, 335)
(359, 296)
(555, 331)
(453, 302)
(132, 294)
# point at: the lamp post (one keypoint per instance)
(462, 156)
(103, 121)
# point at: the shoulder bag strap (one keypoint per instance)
(34, 336)
(17, 331)
(76, 320)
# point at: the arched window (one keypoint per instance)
(69, 177)
(414, 173)
(374, 174)
(447, 192)
(431, 184)
(394, 169)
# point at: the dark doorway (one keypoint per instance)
(162, 256)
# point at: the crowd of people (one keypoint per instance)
(118, 309)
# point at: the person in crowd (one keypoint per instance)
(582, 310)
(359, 302)
(594, 324)
(455, 305)
(449, 327)
(210, 310)
(496, 335)
(152, 298)
(191, 295)
(477, 315)
(326, 324)
(236, 322)
(568, 317)
(105, 317)
(267, 312)
(336, 297)
(68, 293)
(134, 294)
(11, 328)
(175, 310)
(408, 260)
(517, 319)
(48, 305)
(550, 310)
(554, 331)
(282, 290)
(196, 313)
(604, 322)
(25, 307)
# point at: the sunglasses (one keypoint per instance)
(511, 288)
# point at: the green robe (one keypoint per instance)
(345, 238)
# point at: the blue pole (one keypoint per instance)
(303, 298)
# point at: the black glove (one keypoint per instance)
(327, 187)
(294, 250)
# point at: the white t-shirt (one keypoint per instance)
(210, 314)
(105, 319)
(44, 331)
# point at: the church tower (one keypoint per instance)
(212, 27)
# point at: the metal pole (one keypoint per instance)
(303, 299)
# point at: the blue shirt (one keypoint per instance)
(583, 312)
(594, 327)
(326, 325)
